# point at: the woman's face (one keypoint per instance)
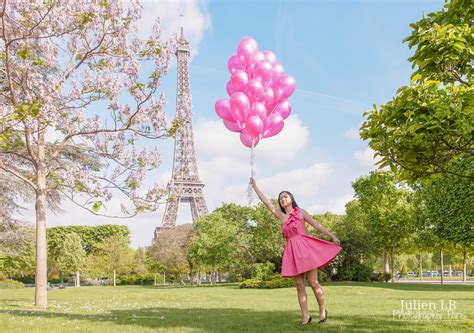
(285, 199)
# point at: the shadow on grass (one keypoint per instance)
(403, 286)
(228, 320)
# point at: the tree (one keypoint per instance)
(69, 68)
(214, 243)
(428, 127)
(388, 207)
(266, 241)
(140, 261)
(169, 249)
(358, 245)
(446, 210)
(116, 256)
(69, 256)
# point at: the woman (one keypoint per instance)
(303, 254)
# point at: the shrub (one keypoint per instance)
(276, 281)
(251, 283)
(11, 284)
(404, 270)
(323, 276)
(279, 282)
(362, 273)
(380, 277)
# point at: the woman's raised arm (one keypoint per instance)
(277, 213)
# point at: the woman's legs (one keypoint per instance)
(302, 298)
(312, 277)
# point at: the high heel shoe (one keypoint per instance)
(325, 317)
(309, 320)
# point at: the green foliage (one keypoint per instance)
(263, 271)
(69, 256)
(445, 208)
(214, 242)
(91, 236)
(356, 241)
(251, 284)
(444, 43)
(266, 240)
(380, 277)
(429, 126)
(404, 270)
(388, 208)
(274, 282)
(11, 284)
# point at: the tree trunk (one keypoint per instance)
(442, 265)
(191, 274)
(164, 277)
(115, 284)
(450, 271)
(385, 261)
(61, 277)
(213, 276)
(41, 277)
(421, 267)
(154, 283)
(464, 266)
(219, 278)
(78, 280)
(392, 260)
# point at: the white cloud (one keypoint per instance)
(366, 158)
(196, 20)
(336, 206)
(304, 183)
(352, 134)
(212, 139)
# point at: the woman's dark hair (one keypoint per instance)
(293, 202)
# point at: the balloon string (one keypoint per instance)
(252, 172)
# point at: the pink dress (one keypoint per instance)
(303, 252)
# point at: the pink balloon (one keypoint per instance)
(258, 109)
(254, 126)
(278, 71)
(249, 40)
(234, 64)
(247, 140)
(246, 52)
(230, 88)
(240, 106)
(258, 56)
(268, 99)
(273, 125)
(287, 85)
(239, 79)
(283, 108)
(277, 95)
(233, 126)
(263, 71)
(222, 108)
(254, 90)
(270, 56)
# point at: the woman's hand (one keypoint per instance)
(335, 240)
(252, 182)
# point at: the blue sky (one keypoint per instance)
(345, 57)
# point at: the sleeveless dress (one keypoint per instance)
(303, 252)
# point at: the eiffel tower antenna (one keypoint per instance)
(184, 186)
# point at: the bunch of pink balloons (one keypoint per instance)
(258, 89)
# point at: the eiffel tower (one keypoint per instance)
(184, 185)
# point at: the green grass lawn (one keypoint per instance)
(352, 307)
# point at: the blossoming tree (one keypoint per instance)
(72, 71)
